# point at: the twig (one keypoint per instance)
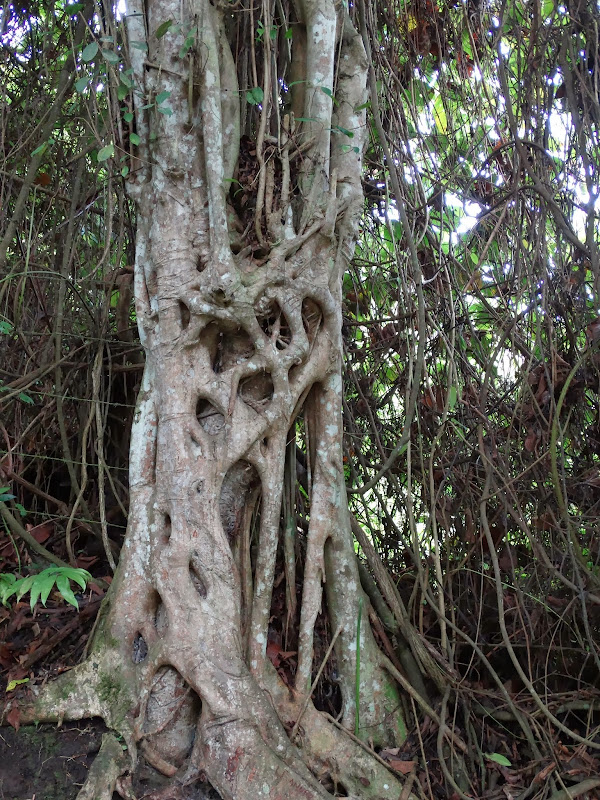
(16, 528)
(364, 746)
(313, 687)
(574, 791)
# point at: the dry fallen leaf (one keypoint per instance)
(390, 757)
(13, 717)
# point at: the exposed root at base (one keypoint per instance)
(323, 759)
(107, 768)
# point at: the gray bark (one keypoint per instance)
(237, 347)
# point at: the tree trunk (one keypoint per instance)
(241, 247)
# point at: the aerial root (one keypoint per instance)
(106, 769)
(159, 764)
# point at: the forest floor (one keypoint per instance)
(44, 762)
(50, 762)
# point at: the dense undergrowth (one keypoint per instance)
(472, 419)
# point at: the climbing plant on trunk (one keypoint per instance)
(245, 162)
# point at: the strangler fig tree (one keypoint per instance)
(245, 167)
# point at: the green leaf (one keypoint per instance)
(289, 34)
(80, 576)
(255, 96)
(122, 91)
(466, 43)
(21, 509)
(12, 685)
(45, 585)
(41, 149)
(106, 152)
(163, 28)
(189, 42)
(345, 131)
(327, 91)
(40, 585)
(82, 84)
(111, 56)
(126, 79)
(128, 117)
(162, 96)
(22, 586)
(499, 759)
(36, 588)
(439, 115)
(7, 581)
(5, 327)
(134, 138)
(25, 398)
(547, 9)
(138, 45)
(125, 172)
(452, 397)
(168, 112)
(5, 497)
(63, 586)
(89, 51)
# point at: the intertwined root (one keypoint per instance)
(241, 326)
(178, 665)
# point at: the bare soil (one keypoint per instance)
(47, 762)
